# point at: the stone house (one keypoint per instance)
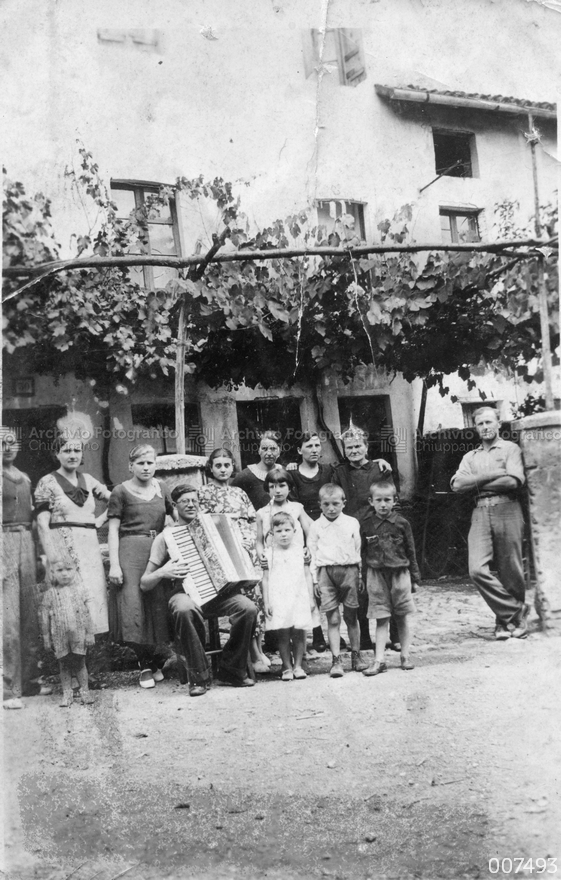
(355, 108)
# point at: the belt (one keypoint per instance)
(72, 525)
(492, 500)
(16, 527)
(151, 534)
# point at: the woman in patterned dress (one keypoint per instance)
(218, 496)
(137, 513)
(65, 505)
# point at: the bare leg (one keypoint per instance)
(382, 633)
(82, 676)
(283, 636)
(333, 631)
(65, 666)
(351, 619)
(298, 646)
(254, 651)
(405, 627)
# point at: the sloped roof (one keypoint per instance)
(452, 97)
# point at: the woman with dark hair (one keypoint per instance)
(310, 475)
(137, 513)
(65, 506)
(218, 496)
(252, 478)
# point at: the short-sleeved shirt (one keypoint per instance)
(388, 543)
(356, 482)
(139, 516)
(502, 455)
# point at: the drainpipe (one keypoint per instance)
(534, 139)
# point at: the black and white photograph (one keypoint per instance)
(281, 406)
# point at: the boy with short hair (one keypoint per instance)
(392, 573)
(334, 542)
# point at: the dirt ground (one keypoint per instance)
(421, 774)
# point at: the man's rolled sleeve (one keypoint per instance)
(514, 464)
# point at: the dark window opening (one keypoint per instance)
(256, 416)
(155, 424)
(35, 431)
(452, 151)
(373, 414)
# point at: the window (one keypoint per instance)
(161, 230)
(281, 414)
(373, 414)
(155, 424)
(342, 49)
(341, 217)
(454, 153)
(469, 407)
(459, 226)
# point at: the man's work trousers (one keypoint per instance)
(496, 536)
(188, 621)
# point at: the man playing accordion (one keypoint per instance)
(188, 616)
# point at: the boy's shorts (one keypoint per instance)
(338, 584)
(389, 592)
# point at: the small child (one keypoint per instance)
(287, 594)
(334, 542)
(67, 627)
(392, 572)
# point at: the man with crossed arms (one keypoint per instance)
(493, 473)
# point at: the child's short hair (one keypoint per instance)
(282, 517)
(278, 475)
(59, 559)
(384, 486)
(329, 489)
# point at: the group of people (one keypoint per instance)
(320, 537)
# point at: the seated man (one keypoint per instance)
(188, 617)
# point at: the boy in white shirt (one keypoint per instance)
(334, 542)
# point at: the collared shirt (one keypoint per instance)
(388, 543)
(334, 542)
(502, 455)
(356, 482)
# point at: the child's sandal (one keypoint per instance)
(67, 700)
(87, 698)
(287, 675)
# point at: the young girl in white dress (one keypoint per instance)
(287, 594)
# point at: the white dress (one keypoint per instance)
(289, 597)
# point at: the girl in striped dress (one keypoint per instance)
(67, 627)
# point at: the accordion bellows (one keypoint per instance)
(211, 546)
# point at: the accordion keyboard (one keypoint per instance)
(190, 555)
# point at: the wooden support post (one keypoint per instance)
(196, 272)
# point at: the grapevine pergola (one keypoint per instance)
(197, 263)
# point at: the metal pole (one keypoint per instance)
(542, 292)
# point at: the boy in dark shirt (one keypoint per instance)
(392, 573)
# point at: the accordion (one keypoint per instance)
(211, 546)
